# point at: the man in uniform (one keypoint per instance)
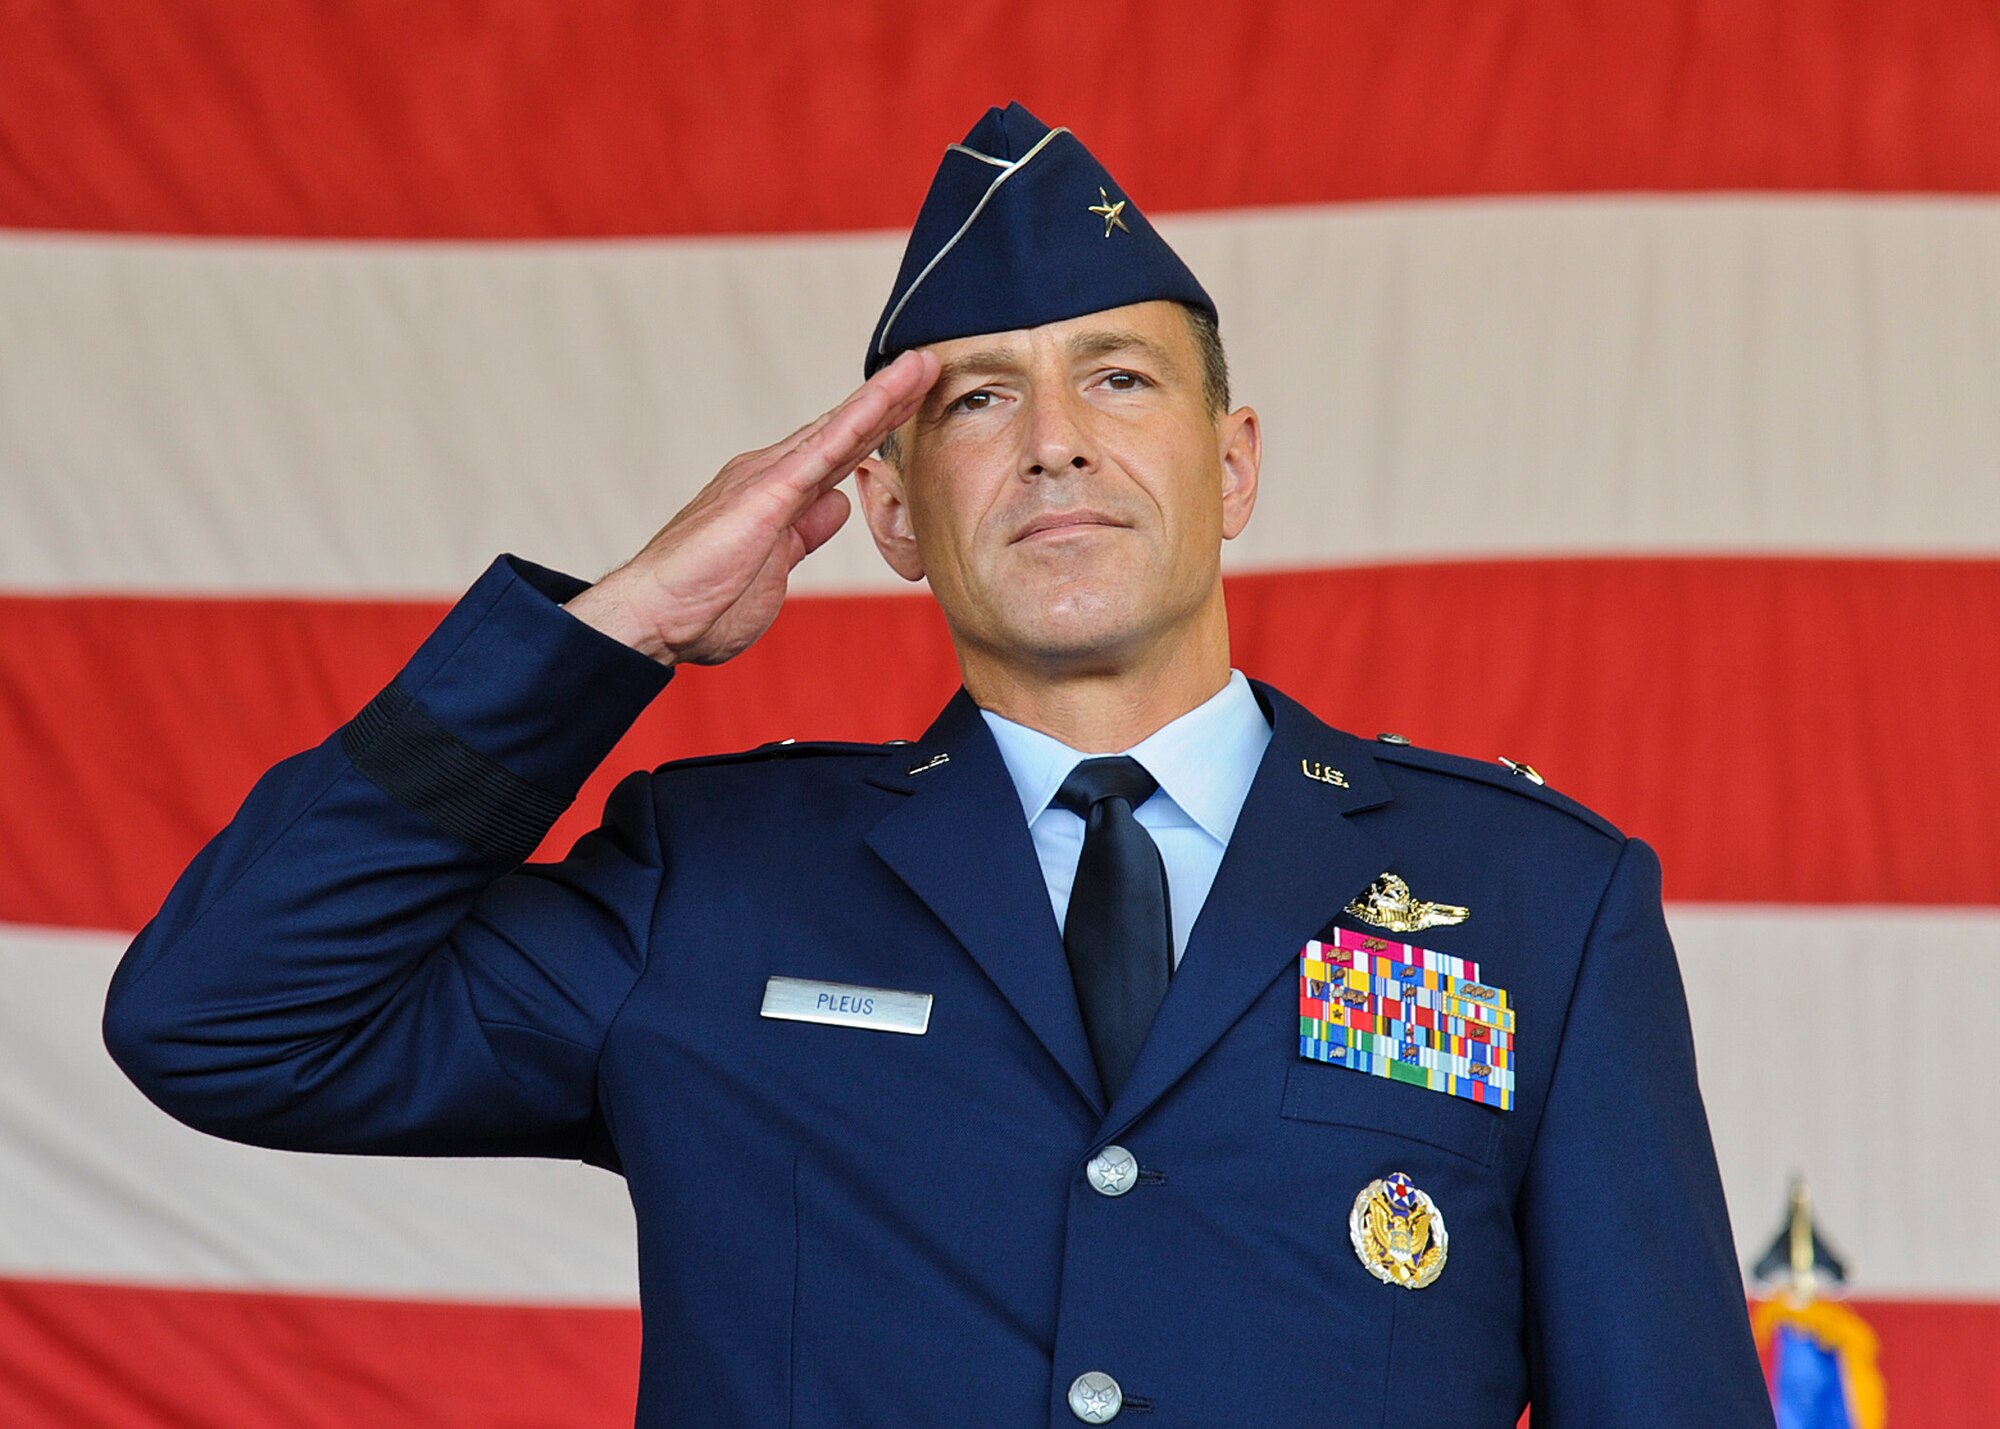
(1132, 1043)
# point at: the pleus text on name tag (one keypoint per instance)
(842, 1004)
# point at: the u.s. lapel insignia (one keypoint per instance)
(1389, 904)
(1323, 772)
(1398, 1232)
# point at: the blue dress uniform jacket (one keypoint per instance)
(843, 1227)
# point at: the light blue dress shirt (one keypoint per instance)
(1204, 762)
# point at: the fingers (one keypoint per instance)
(890, 378)
(790, 476)
(802, 435)
(815, 527)
(833, 446)
(910, 375)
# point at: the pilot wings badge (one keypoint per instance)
(1389, 904)
(1398, 1232)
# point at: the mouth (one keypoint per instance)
(1057, 523)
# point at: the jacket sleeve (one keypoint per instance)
(360, 962)
(1635, 1308)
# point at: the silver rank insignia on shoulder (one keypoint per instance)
(1389, 904)
(1398, 1232)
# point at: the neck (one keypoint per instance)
(1106, 706)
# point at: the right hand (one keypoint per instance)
(711, 582)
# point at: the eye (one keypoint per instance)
(1123, 381)
(977, 400)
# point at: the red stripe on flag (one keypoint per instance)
(130, 728)
(125, 1357)
(1937, 1359)
(113, 1356)
(1809, 731)
(384, 119)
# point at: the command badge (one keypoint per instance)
(1398, 1232)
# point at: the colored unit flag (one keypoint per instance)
(1822, 1365)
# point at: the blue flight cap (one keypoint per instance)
(1023, 226)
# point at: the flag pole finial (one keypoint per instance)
(1805, 1279)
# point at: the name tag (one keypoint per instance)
(842, 1004)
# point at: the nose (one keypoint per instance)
(1058, 437)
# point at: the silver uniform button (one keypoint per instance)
(1386, 738)
(1112, 1171)
(1095, 1398)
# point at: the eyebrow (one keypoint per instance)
(989, 360)
(1106, 341)
(1081, 348)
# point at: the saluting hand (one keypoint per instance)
(712, 580)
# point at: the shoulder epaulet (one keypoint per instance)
(1502, 773)
(781, 749)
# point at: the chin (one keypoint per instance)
(1079, 632)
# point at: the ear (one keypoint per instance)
(879, 484)
(1242, 440)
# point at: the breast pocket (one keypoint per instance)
(1335, 1096)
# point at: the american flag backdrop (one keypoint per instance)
(1631, 381)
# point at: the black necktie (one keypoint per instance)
(1118, 934)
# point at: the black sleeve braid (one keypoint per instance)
(426, 768)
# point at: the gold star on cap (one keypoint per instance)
(1111, 213)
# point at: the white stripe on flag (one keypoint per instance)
(1788, 1004)
(99, 1185)
(1695, 374)
(1843, 1044)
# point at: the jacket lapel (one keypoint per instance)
(1293, 862)
(961, 843)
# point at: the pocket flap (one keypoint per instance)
(1336, 1096)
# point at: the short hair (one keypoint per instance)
(1207, 334)
(1214, 361)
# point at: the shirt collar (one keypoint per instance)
(1205, 760)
